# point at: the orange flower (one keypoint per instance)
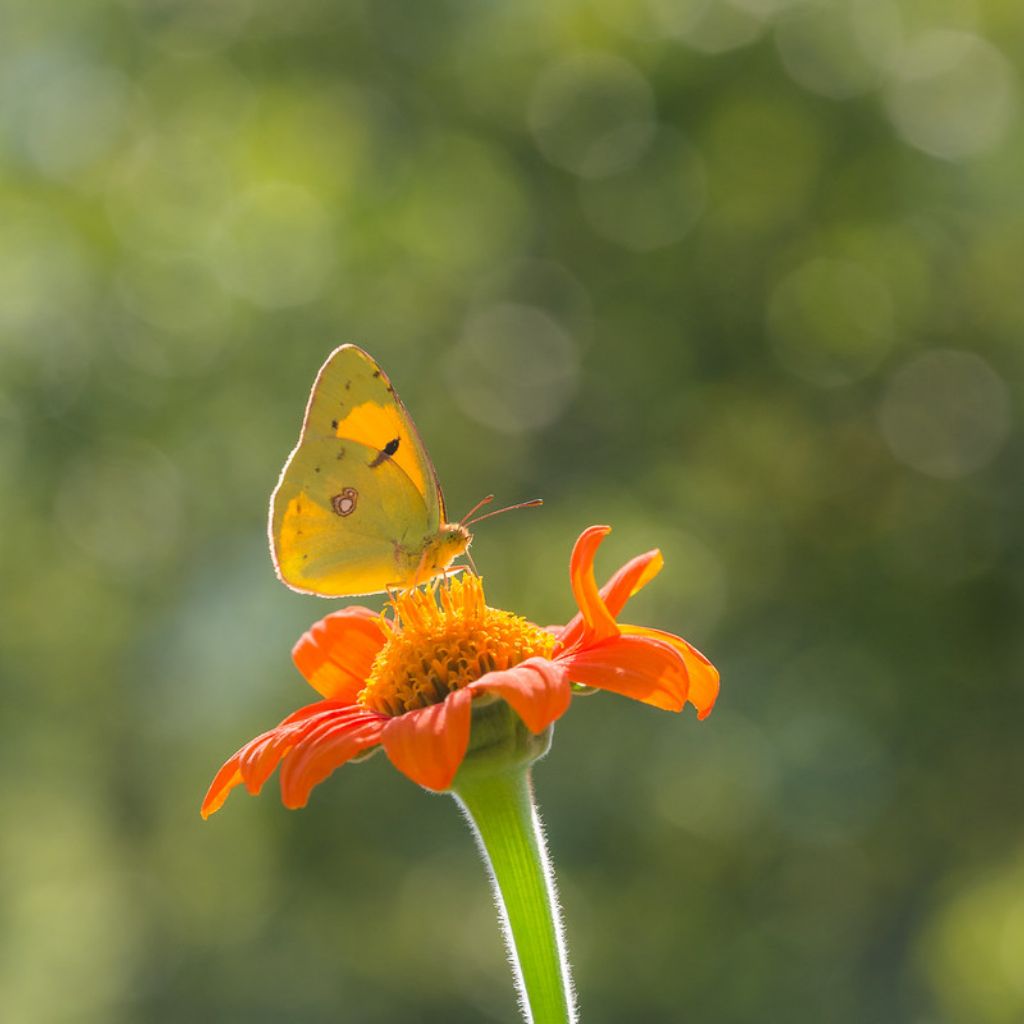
(407, 682)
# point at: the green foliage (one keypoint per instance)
(739, 277)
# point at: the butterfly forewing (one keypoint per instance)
(352, 398)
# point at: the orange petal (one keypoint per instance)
(629, 580)
(635, 666)
(223, 782)
(335, 740)
(537, 689)
(254, 763)
(703, 675)
(336, 653)
(428, 744)
(599, 622)
(259, 757)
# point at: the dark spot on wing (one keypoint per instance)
(341, 454)
(334, 424)
(386, 452)
(376, 373)
(316, 469)
(348, 384)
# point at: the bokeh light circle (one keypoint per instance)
(830, 322)
(514, 369)
(838, 50)
(655, 202)
(953, 95)
(709, 26)
(972, 948)
(62, 112)
(946, 414)
(592, 114)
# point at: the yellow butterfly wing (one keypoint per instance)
(358, 500)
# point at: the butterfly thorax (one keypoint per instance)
(441, 550)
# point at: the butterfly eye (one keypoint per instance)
(345, 502)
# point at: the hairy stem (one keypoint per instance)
(501, 810)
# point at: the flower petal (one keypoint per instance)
(428, 744)
(335, 740)
(629, 580)
(259, 757)
(223, 782)
(640, 667)
(537, 689)
(599, 622)
(336, 653)
(703, 675)
(254, 763)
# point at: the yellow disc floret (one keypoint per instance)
(440, 640)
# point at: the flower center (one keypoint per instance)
(442, 639)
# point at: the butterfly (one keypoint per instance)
(358, 508)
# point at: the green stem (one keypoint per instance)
(501, 810)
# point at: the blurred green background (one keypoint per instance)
(742, 278)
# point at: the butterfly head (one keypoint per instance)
(453, 539)
(441, 550)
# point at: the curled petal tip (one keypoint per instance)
(599, 621)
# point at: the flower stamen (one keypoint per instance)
(448, 638)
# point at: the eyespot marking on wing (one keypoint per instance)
(344, 503)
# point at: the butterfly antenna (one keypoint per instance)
(532, 503)
(472, 564)
(479, 505)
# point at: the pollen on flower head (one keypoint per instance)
(442, 639)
